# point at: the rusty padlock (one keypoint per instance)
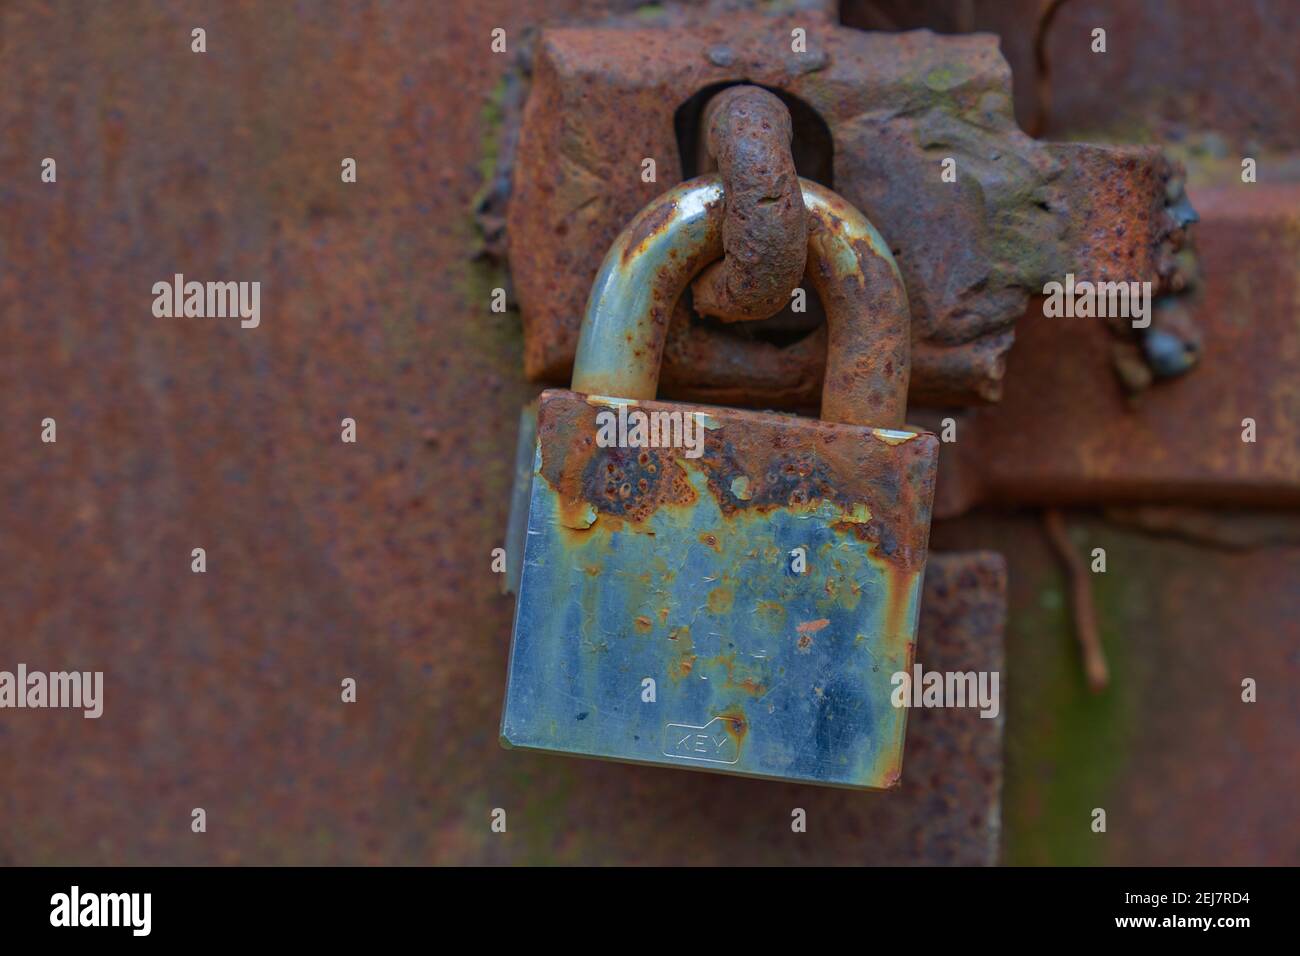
(716, 588)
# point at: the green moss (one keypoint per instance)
(491, 117)
(492, 334)
(1066, 746)
(942, 78)
(550, 798)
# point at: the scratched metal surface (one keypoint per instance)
(650, 563)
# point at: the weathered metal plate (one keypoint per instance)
(1066, 433)
(971, 252)
(648, 563)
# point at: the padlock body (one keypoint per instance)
(662, 615)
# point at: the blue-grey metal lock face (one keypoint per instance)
(715, 588)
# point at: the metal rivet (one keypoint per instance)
(721, 55)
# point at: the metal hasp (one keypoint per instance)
(673, 565)
(1015, 214)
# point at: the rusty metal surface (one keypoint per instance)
(324, 560)
(673, 565)
(1168, 73)
(1165, 76)
(1067, 432)
(1234, 529)
(1122, 197)
(765, 231)
(849, 266)
(370, 559)
(895, 106)
(1189, 773)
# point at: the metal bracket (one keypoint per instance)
(972, 252)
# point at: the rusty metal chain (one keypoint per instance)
(765, 231)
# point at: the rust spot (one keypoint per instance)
(685, 664)
(645, 227)
(898, 594)
(738, 676)
(765, 235)
(623, 484)
(643, 624)
(736, 724)
(880, 492)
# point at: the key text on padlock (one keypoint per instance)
(714, 742)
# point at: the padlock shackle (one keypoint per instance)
(868, 361)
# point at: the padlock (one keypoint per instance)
(716, 588)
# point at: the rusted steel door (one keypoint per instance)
(372, 560)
